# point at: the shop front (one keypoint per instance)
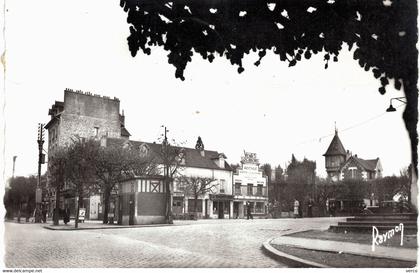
(222, 206)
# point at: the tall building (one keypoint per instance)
(250, 186)
(83, 115)
(341, 164)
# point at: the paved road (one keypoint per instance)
(204, 243)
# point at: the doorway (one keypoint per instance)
(131, 210)
(221, 215)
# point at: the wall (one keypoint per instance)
(216, 174)
(94, 207)
(82, 113)
(150, 204)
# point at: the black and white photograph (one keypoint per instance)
(222, 134)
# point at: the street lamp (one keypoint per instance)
(392, 108)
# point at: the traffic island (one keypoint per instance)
(314, 248)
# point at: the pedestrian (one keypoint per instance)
(44, 215)
(332, 209)
(310, 208)
(248, 211)
(327, 208)
(296, 208)
(66, 216)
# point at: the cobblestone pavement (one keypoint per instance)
(203, 243)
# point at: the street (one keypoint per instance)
(203, 243)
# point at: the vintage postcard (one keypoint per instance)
(204, 134)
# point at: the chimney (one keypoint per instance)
(122, 119)
(203, 154)
(348, 154)
(221, 161)
(355, 155)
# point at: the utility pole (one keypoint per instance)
(14, 162)
(166, 175)
(41, 160)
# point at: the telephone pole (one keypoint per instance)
(166, 170)
(41, 160)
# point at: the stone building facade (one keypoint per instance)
(83, 115)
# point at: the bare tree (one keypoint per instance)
(56, 171)
(115, 164)
(172, 158)
(80, 170)
(195, 186)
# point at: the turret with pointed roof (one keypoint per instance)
(335, 157)
(336, 147)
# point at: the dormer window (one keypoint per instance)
(143, 149)
(181, 157)
(126, 145)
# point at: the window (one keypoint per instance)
(96, 131)
(259, 190)
(143, 149)
(259, 208)
(238, 189)
(222, 185)
(352, 172)
(180, 186)
(249, 189)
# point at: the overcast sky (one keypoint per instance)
(271, 110)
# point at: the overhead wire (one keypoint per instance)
(319, 139)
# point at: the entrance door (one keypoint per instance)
(221, 213)
(235, 210)
(120, 209)
(131, 210)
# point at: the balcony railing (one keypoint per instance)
(248, 191)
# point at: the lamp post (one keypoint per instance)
(412, 195)
(392, 108)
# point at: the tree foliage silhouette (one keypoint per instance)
(384, 33)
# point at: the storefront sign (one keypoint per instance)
(221, 197)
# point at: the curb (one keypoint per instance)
(289, 259)
(95, 228)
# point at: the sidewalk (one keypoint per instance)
(88, 224)
(394, 253)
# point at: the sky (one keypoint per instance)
(271, 110)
